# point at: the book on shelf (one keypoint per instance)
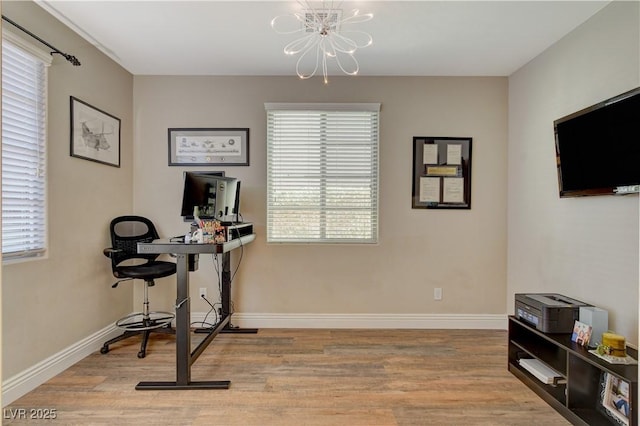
(540, 370)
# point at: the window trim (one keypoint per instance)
(28, 46)
(274, 106)
(333, 107)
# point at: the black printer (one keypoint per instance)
(548, 312)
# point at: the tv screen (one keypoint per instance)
(213, 194)
(598, 148)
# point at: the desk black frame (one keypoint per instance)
(185, 357)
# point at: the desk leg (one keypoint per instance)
(183, 339)
(183, 314)
(226, 296)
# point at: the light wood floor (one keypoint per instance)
(303, 377)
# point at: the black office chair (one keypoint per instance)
(128, 264)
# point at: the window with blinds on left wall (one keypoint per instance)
(24, 140)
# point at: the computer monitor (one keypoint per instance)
(236, 205)
(215, 196)
(227, 199)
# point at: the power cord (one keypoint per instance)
(239, 260)
(217, 268)
(204, 323)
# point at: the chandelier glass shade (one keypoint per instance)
(323, 35)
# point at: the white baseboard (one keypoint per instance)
(379, 321)
(24, 382)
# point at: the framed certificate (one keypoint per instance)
(441, 173)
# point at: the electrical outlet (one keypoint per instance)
(437, 293)
(203, 293)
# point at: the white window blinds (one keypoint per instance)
(322, 173)
(24, 106)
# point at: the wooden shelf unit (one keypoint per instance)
(577, 393)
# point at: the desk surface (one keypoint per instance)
(176, 247)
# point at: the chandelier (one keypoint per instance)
(323, 36)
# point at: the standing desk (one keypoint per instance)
(187, 254)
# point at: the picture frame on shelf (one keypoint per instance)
(613, 401)
(581, 333)
(95, 134)
(208, 146)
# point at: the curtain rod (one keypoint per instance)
(68, 57)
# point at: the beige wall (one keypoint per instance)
(587, 247)
(50, 304)
(464, 252)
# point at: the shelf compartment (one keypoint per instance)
(584, 384)
(537, 346)
(541, 371)
(592, 417)
(554, 395)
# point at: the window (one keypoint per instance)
(24, 107)
(322, 173)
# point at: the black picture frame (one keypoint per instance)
(208, 146)
(441, 172)
(94, 133)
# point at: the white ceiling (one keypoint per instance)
(410, 38)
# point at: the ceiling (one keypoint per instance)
(410, 38)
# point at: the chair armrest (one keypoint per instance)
(109, 251)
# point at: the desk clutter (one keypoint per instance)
(207, 232)
(216, 232)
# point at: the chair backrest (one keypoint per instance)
(126, 233)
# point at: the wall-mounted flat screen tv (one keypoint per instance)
(598, 148)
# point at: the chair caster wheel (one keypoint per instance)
(141, 354)
(104, 349)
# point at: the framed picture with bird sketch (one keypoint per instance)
(95, 134)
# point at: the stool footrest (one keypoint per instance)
(140, 322)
